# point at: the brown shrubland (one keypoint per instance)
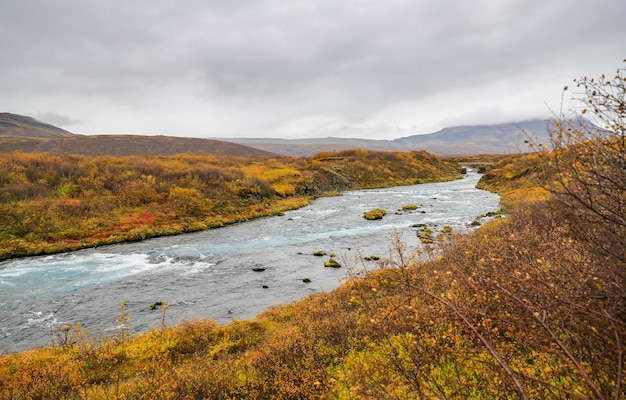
(531, 306)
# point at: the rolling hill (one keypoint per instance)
(21, 126)
(28, 135)
(309, 147)
(129, 145)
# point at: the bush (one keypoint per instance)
(589, 162)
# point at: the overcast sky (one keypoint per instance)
(299, 68)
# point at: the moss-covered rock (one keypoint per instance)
(332, 263)
(377, 213)
(425, 235)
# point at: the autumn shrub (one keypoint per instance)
(588, 161)
(54, 203)
(541, 293)
(297, 360)
(516, 309)
(520, 180)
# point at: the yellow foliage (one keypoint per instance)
(284, 189)
(516, 302)
(57, 203)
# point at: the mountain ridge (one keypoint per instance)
(485, 138)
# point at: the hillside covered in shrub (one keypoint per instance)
(52, 203)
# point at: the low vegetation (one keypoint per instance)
(54, 203)
(377, 213)
(409, 207)
(530, 306)
(426, 235)
(491, 315)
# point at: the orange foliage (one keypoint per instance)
(56, 203)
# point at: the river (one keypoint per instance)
(211, 274)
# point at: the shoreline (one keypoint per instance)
(274, 208)
(135, 304)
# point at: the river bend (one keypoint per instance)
(210, 274)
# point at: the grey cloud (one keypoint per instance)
(56, 119)
(257, 65)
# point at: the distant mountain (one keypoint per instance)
(460, 140)
(18, 125)
(27, 134)
(480, 139)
